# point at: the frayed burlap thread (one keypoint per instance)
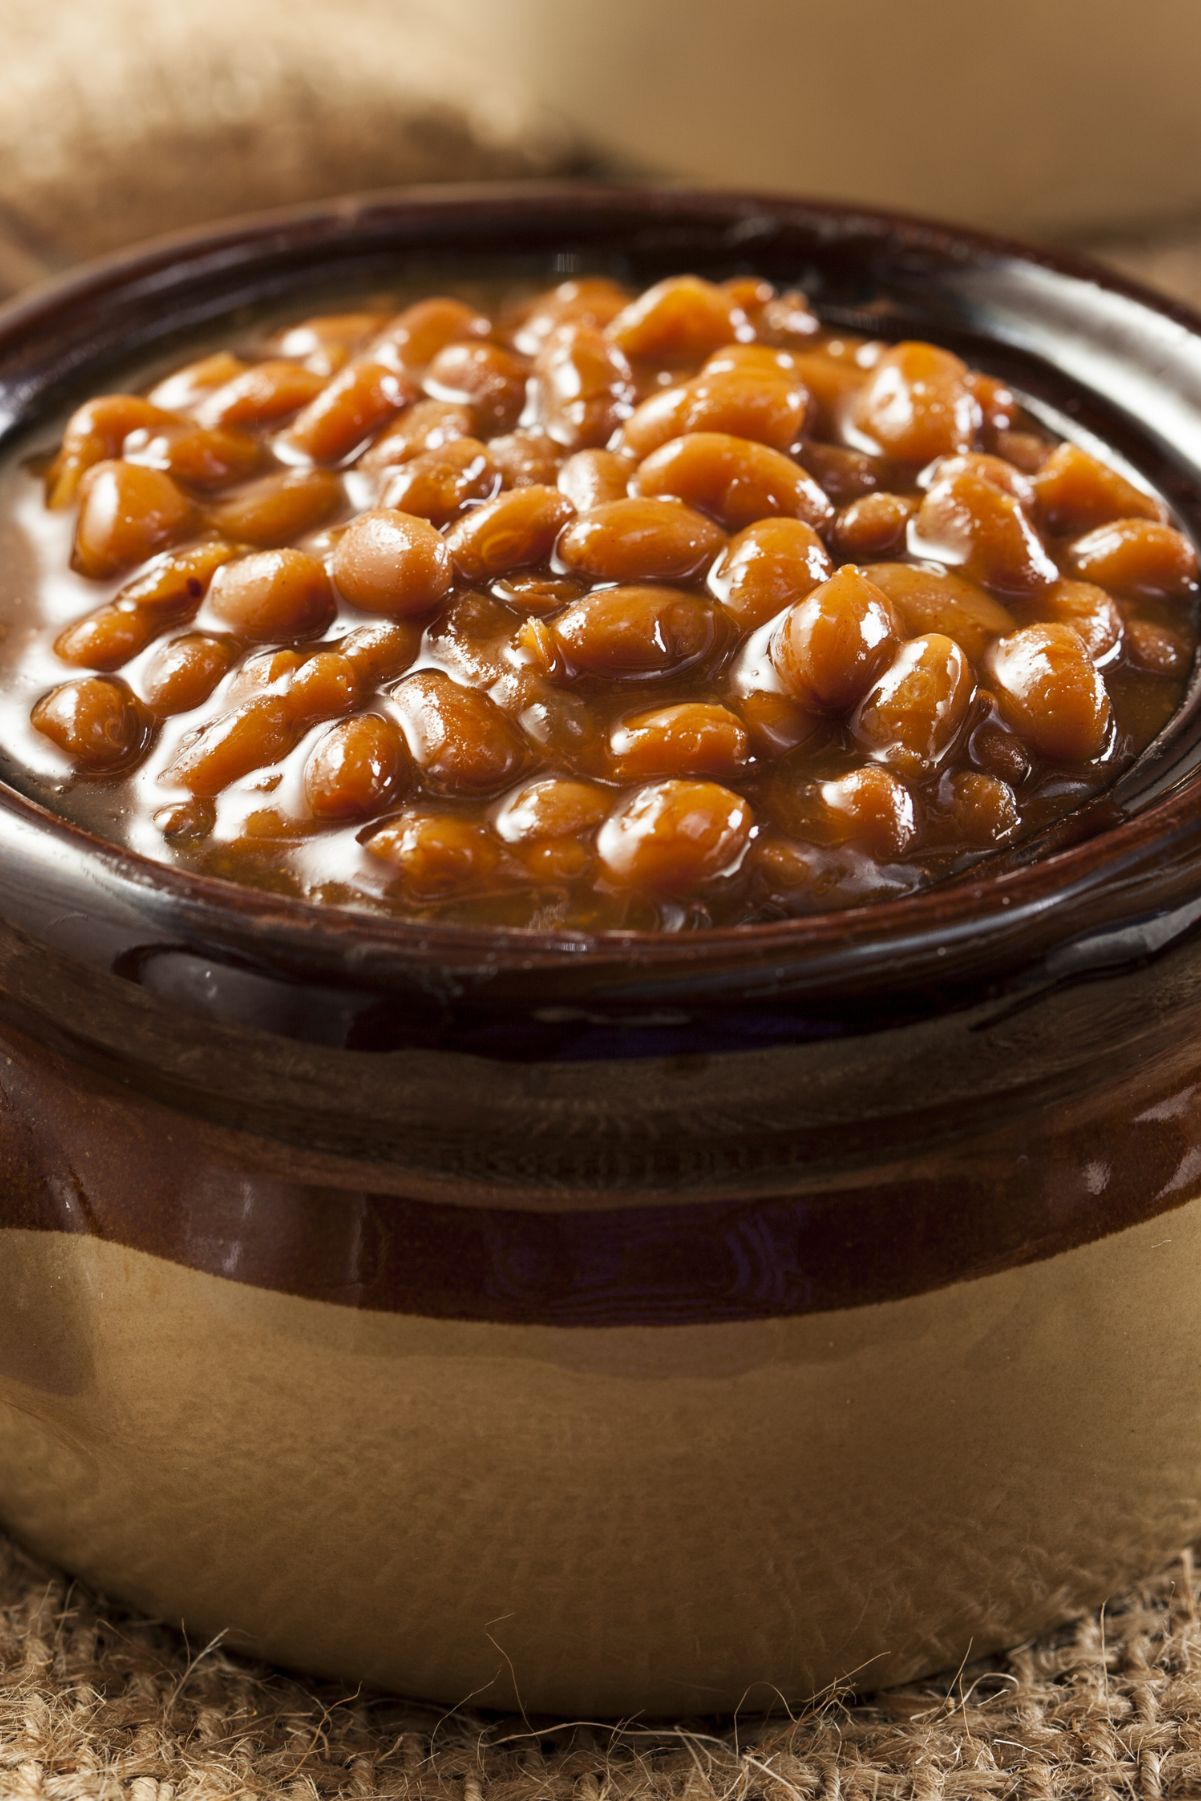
(99, 1705)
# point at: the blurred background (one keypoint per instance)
(1074, 119)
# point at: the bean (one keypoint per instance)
(182, 390)
(525, 458)
(593, 300)
(202, 456)
(265, 394)
(844, 475)
(273, 512)
(95, 433)
(1089, 611)
(751, 292)
(511, 532)
(765, 408)
(829, 648)
(736, 481)
(833, 385)
(273, 595)
(356, 768)
(692, 738)
(912, 715)
(759, 360)
(938, 600)
(106, 639)
(533, 593)
(551, 807)
(634, 631)
(381, 652)
(266, 669)
(998, 404)
(996, 750)
(177, 580)
(983, 807)
(873, 809)
(350, 409)
(679, 320)
(438, 484)
(324, 685)
(1156, 648)
(775, 723)
(635, 540)
(389, 562)
(126, 513)
(183, 674)
(672, 837)
(186, 821)
(459, 738)
(436, 855)
(245, 739)
(95, 721)
(1075, 492)
(1026, 450)
(917, 405)
(786, 319)
(327, 341)
(472, 639)
(590, 478)
(426, 425)
(1136, 556)
(970, 522)
(994, 470)
(872, 525)
(583, 387)
(414, 338)
(1051, 693)
(487, 377)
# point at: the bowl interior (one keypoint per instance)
(1095, 356)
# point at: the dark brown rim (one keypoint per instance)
(1086, 882)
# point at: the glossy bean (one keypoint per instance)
(673, 837)
(390, 562)
(829, 648)
(459, 738)
(637, 540)
(511, 532)
(1051, 692)
(126, 513)
(357, 768)
(95, 721)
(272, 595)
(736, 481)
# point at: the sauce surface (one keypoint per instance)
(594, 610)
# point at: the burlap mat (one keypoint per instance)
(128, 117)
(98, 1706)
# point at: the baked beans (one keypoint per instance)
(589, 608)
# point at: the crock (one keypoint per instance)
(634, 1323)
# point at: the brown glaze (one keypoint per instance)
(82, 1156)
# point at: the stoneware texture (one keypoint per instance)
(611, 1325)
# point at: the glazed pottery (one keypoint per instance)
(655, 1323)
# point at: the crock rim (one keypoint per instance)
(982, 908)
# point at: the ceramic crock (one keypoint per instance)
(642, 1323)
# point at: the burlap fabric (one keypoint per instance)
(126, 117)
(98, 1706)
(122, 118)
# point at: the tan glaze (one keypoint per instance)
(594, 1516)
(658, 1325)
